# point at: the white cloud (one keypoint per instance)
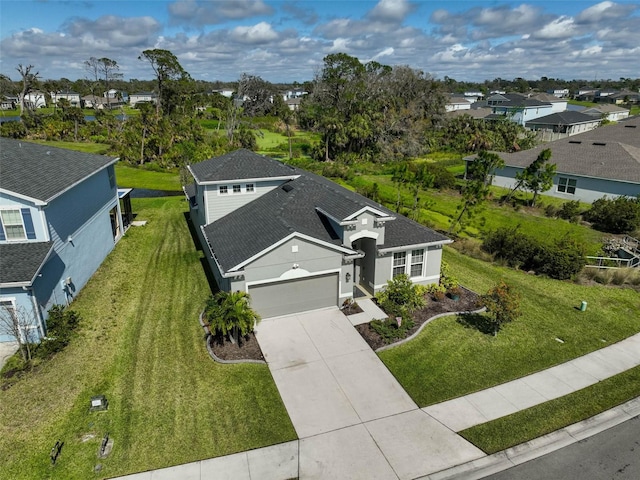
(562, 27)
(199, 12)
(391, 10)
(260, 33)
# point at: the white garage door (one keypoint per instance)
(293, 296)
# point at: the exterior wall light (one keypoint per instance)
(348, 277)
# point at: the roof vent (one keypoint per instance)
(600, 144)
(287, 188)
(575, 141)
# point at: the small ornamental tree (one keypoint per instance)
(503, 305)
(229, 313)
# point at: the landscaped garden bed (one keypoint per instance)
(246, 348)
(468, 302)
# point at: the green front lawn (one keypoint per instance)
(448, 360)
(138, 177)
(141, 345)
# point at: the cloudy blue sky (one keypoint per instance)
(283, 41)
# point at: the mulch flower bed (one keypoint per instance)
(468, 302)
(246, 349)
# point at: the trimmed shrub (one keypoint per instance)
(61, 325)
(560, 259)
(618, 215)
(570, 211)
(400, 297)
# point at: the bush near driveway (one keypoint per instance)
(141, 345)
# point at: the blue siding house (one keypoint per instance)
(59, 218)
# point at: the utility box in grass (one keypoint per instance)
(99, 403)
(583, 306)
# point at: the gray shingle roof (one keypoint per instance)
(256, 226)
(19, 262)
(567, 117)
(238, 165)
(610, 152)
(42, 172)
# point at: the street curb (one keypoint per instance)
(540, 446)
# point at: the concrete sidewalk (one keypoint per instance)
(486, 405)
(325, 376)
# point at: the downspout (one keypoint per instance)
(36, 309)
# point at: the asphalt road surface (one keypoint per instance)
(610, 455)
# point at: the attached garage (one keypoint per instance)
(293, 296)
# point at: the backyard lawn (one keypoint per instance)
(141, 345)
(449, 359)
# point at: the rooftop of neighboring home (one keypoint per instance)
(605, 108)
(41, 172)
(563, 118)
(609, 152)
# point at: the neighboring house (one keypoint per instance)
(225, 92)
(296, 241)
(517, 108)
(60, 216)
(142, 97)
(72, 97)
(35, 100)
(476, 111)
(624, 97)
(9, 103)
(295, 93)
(473, 96)
(604, 161)
(559, 92)
(102, 103)
(293, 104)
(557, 104)
(613, 113)
(570, 123)
(457, 103)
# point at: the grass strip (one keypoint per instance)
(520, 427)
(450, 359)
(141, 345)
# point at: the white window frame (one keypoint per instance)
(250, 188)
(236, 188)
(395, 264)
(564, 184)
(419, 252)
(223, 190)
(4, 225)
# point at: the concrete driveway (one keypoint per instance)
(353, 418)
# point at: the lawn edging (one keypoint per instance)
(427, 322)
(215, 358)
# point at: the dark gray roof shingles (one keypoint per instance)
(270, 218)
(19, 262)
(238, 165)
(567, 117)
(42, 172)
(609, 152)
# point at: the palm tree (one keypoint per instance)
(230, 313)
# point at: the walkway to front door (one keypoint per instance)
(353, 418)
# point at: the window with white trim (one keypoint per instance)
(250, 188)
(417, 262)
(567, 185)
(16, 224)
(223, 190)
(237, 189)
(399, 263)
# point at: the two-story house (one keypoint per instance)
(517, 108)
(296, 241)
(142, 97)
(59, 218)
(72, 97)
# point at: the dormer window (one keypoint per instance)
(250, 188)
(223, 190)
(237, 189)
